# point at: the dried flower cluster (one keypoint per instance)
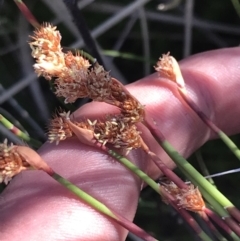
(75, 79)
(113, 131)
(168, 67)
(11, 162)
(190, 199)
(165, 66)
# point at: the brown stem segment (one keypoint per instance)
(217, 220)
(26, 12)
(233, 225)
(196, 109)
(234, 212)
(133, 228)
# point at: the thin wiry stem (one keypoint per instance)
(124, 34)
(24, 115)
(170, 19)
(10, 136)
(145, 40)
(84, 30)
(116, 18)
(189, 5)
(203, 166)
(103, 209)
(20, 85)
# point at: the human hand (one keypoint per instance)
(35, 207)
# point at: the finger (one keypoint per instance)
(50, 212)
(32, 197)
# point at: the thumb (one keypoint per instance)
(34, 207)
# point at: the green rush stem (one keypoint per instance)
(27, 13)
(214, 197)
(221, 224)
(84, 196)
(229, 143)
(219, 236)
(216, 205)
(18, 132)
(192, 173)
(195, 175)
(203, 166)
(14, 129)
(102, 208)
(128, 164)
(167, 171)
(224, 213)
(154, 185)
(204, 236)
(135, 170)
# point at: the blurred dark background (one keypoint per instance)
(131, 35)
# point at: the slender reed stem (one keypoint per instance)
(18, 132)
(167, 171)
(102, 208)
(26, 12)
(159, 190)
(84, 30)
(190, 171)
(219, 236)
(128, 164)
(221, 224)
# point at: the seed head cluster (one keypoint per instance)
(190, 198)
(113, 131)
(165, 67)
(74, 78)
(11, 162)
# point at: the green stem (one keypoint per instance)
(231, 145)
(204, 236)
(84, 196)
(155, 186)
(203, 167)
(194, 174)
(18, 132)
(188, 169)
(103, 208)
(135, 170)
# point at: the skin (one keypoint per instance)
(35, 207)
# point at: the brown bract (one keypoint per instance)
(32, 158)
